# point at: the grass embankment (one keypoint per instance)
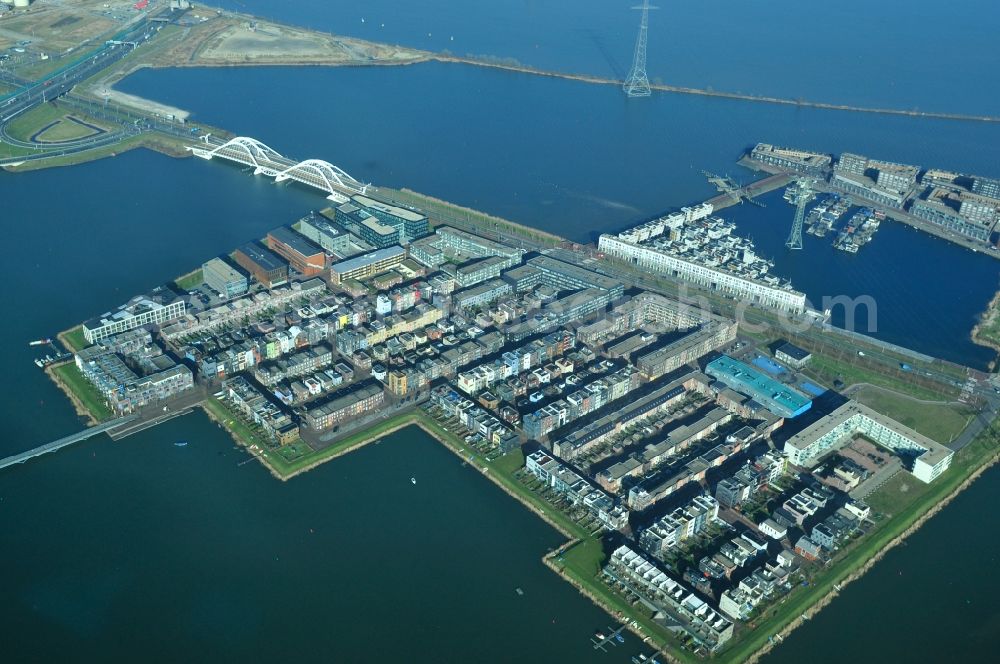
(67, 130)
(940, 422)
(188, 281)
(987, 330)
(905, 509)
(290, 460)
(73, 339)
(446, 213)
(155, 142)
(26, 125)
(84, 395)
(904, 500)
(826, 369)
(581, 564)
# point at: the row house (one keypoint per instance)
(576, 489)
(473, 417)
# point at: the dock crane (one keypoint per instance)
(799, 195)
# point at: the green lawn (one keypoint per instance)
(294, 457)
(25, 125)
(82, 157)
(73, 339)
(234, 424)
(65, 130)
(11, 151)
(92, 400)
(826, 370)
(190, 280)
(287, 464)
(988, 329)
(937, 421)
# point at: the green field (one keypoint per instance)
(88, 395)
(65, 130)
(940, 422)
(484, 222)
(290, 459)
(157, 142)
(12, 151)
(243, 434)
(190, 280)
(73, 339)
(826, 370)
(26, 124)
(988, 329)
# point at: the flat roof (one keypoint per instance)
(262, 256)
(377, 226)
(591, 278)
(476, 264)
(224, 269)
(394, 210)
(793, 351)
(825, 425)
(367, 259)
(295, 240)
(743, 378)
(323, 224)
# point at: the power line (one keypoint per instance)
(637, 83)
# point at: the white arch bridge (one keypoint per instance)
(337, 184)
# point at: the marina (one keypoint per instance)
(60, 355)
(859, 231)
(824, 217)
(853, 236)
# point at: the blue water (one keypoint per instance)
(143, 549)
(579, 159)
(914, 54)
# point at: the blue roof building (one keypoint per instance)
(773, 395)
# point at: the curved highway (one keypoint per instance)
(60, 83)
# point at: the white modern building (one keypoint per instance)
(158, 307)
(703, 275)
(806, 448)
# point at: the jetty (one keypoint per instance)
(65, 441)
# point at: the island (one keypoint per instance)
(718, 474)
(719, 458)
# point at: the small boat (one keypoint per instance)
(39, 363)
(39, 342)
(181, 443)
(518, 591)
(413, 480)
(600, 636)
(619, 638)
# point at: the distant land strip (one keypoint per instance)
(802, 103)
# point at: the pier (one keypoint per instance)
(65, 441)
(731, 195)
(705, 92)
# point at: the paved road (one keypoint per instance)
(60, 83)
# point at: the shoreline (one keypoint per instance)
(992, 311)
(859, 572)
(416, 417)
(367, 440)
(81, 410)
(646, 639)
